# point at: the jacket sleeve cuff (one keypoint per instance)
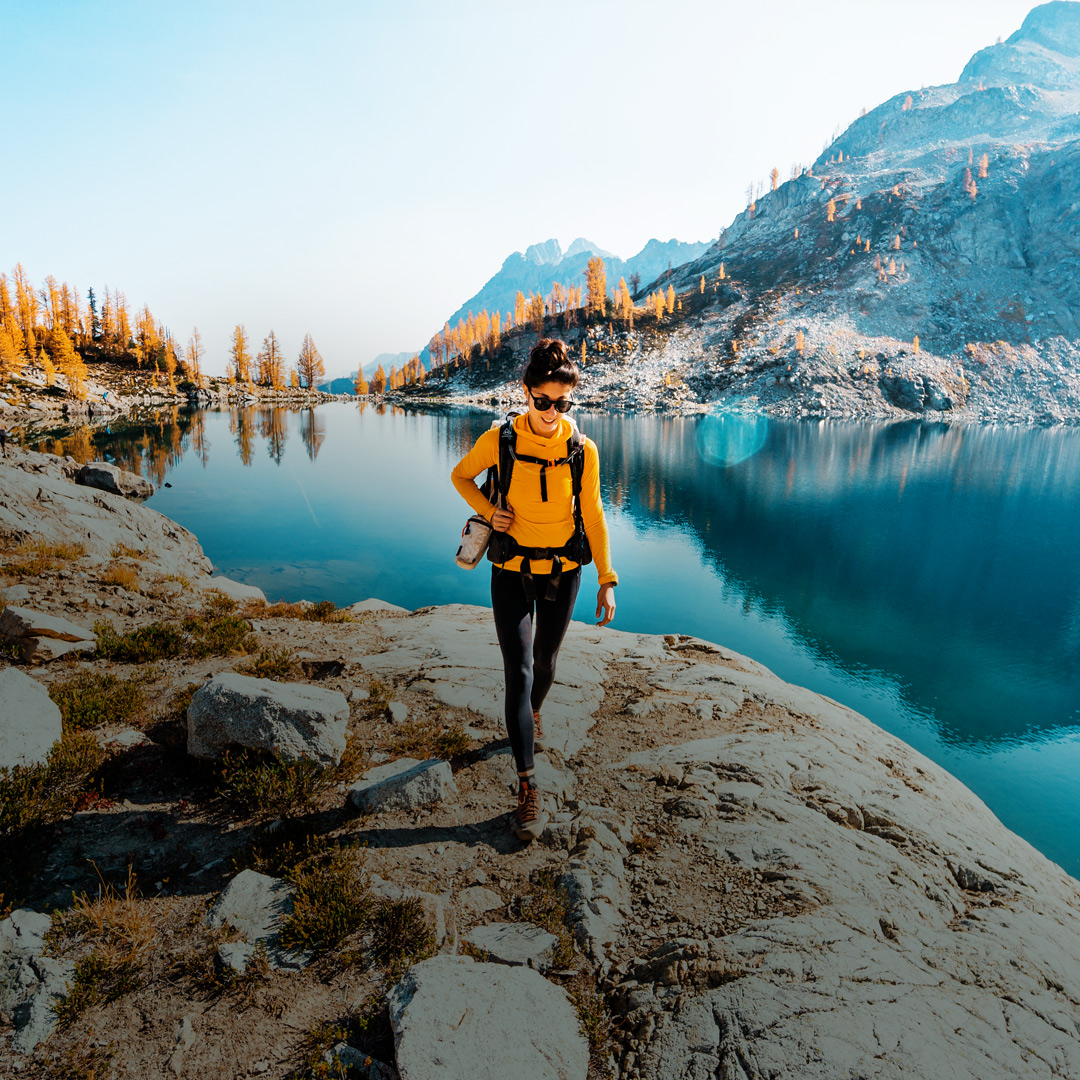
(609, 579)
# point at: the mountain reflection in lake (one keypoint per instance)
(926, 575)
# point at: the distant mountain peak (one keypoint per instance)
(581, 246)
(549, 253)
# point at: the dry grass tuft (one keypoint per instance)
(124, 576)
(30, 558)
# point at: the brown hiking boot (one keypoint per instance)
(538, 732)
(531, 819)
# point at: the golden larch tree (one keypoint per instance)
(195, 357)
(309, 364)
(270, 363)
(240, 355)
(378, 380)
(702, 289)
(830, 210)
(11, 363)
(984, 165)
(596, 287)
(800, 342)
(670, 299)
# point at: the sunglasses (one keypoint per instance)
(563, 404)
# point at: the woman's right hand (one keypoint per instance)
(501, 520)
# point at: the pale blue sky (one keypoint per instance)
(357, 170)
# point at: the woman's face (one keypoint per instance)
(545, 421)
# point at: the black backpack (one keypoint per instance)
(496, 487)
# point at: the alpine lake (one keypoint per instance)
(926, 575)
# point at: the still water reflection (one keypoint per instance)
(926, 575)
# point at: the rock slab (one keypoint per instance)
(516, 944)
(453, 1017)
(29, 720)
(29, 981)
(106, 477)
(404, 784)
(289, 720)
(40, 638)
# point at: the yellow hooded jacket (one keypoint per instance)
(538, 523)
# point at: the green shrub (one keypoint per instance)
(89, 698)
(98, 979)
(401, 934)
(155, 641)
(330, 902)
(32, 795)
(277, 664)
(255, 782)
(215, 631)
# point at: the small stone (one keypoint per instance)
(399, 712)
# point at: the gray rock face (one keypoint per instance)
(289, 720)
(106, 477)
(257, 905)
(516, 944)
(29, 720)
(40, 638)
(456, 1018)
(29, 981)
(404, 784)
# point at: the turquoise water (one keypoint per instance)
(927, 576)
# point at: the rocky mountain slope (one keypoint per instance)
(741, 878)
(926, 265)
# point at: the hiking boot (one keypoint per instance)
(538, 732)
(530, 819)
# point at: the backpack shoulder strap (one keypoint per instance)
(575, 453)
(507, 442)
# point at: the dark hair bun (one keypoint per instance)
(549, 361)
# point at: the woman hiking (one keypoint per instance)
(539, 543)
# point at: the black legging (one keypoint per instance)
(528, 663)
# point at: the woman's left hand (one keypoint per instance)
(605, 602)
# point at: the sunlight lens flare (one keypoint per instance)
(728, 438)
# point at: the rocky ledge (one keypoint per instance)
(750, 880)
